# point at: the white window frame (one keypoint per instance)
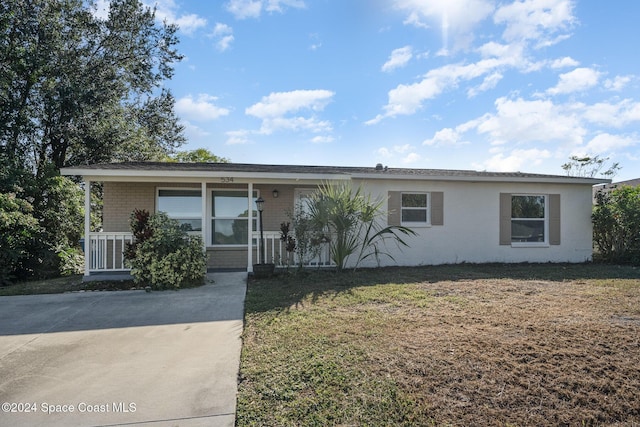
(545, 243)
(194, 189)
(211, 218)
(426, 223)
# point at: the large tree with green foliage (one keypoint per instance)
(78, 89)
(199, 155)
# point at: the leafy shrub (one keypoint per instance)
(163, 254)
(19, 233)
(616, 225)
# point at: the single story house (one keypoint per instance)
(458, 215)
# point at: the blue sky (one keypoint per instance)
(457, 84)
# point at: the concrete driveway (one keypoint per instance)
(123, 358)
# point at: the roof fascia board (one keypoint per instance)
(184, 176)
(140, 175)
(537, 180)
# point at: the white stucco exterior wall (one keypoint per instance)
(471, 224)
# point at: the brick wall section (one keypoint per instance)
(276, 210)
(121, 198)
(227, 258)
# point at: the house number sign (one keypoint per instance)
(226, 179)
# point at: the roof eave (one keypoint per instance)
(182, 175)
(480, 178)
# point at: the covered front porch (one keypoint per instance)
(221, 209)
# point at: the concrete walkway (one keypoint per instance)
(123, 358)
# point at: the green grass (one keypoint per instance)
(494, 344)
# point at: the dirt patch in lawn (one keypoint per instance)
(423, 347)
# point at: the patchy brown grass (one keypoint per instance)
(452, 345)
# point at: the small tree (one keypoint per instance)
(164, 255)
(616, 225)
(307, 237)
(353, 222)
(589, 166)
(289, 241)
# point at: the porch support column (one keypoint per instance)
(250, 233)
(203, 186)
(87, 227)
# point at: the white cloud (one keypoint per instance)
(618, 83)
(407, 99)
(398, 58)
(605, 143)
(514, 161)
(402, 148)
(167, 10)
(243, 9)
(280, 103)
(279, 5)
(200, 109)
(444, 137)
(275, 109)
(224, 43)
(384, 152)
(221, 29)
(412, 158)
(238, 137)
(489, 82)
(577, 80)
(527, 22)
(223, 34)
(538, 20)
(565, 62)
(188, 24)
(520, 121)
(404, 151)
(455, 18)
(322, 139)
(193, 132)
(615, 115)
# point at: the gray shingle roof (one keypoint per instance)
(356, 171)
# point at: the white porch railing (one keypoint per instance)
(106, 251)
(276, 253)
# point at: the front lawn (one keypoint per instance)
(449, 345)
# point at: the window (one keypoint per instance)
(429, 204)
(185, 205)
(230, 217)
(415, 209)
(528, 219)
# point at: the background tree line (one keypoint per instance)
(74, 89)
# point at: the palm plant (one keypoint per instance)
(352, 222)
